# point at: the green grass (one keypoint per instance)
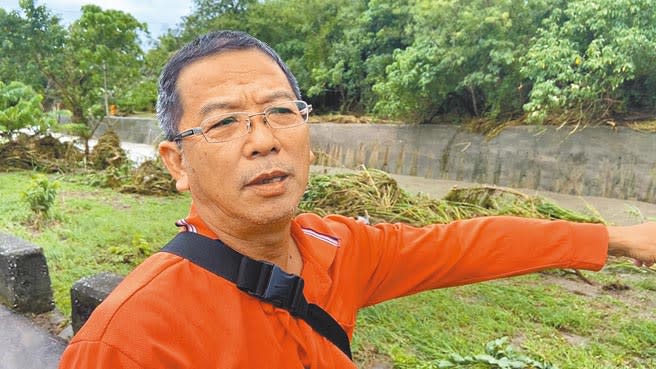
(544, 320)
(93, 229)
(551, 316)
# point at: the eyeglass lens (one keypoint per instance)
(228, 126)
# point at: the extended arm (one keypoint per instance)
(637, 242)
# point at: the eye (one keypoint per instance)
(280, 110)
(223, 122)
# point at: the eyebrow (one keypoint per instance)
(223, 105)
(218, 105)
(279, 94)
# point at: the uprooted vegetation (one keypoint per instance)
(46, 154)
(370, 193)
(375, 195)
(107, 165)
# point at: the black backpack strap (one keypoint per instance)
(262, 279)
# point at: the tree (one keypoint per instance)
(464, 59)
(84, 67)
(101, 58)
(591, 59)
(210, 15)
(337, 49)
(29, 39)
(420, 59)
(20, 107)
(358, 55)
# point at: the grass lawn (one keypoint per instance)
(552, 316)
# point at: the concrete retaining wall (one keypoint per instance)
(131, 129)
(595, 161)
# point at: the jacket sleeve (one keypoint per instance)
(95, 355)
(394, 260)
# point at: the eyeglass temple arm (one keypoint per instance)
(187, 133)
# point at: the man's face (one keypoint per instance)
(257, 179)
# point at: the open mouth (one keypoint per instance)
(268, 178)
(271, 180)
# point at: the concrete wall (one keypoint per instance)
(131, 129)
(597, 161)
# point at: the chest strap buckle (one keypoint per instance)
(270, 283)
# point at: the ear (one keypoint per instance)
(172, 158)
(312, 157)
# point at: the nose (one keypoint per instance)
(261, 139)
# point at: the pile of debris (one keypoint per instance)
(107, 153)
(375, 195)
(150, 178)
(42, 153)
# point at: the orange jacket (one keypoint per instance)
(170, 313)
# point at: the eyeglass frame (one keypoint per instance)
(199, 130)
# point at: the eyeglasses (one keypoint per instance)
(229, 126)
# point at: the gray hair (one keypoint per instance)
(169, 106)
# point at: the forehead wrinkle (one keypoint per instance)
(210, 107)
(265, 85)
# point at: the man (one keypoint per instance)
(234, 119)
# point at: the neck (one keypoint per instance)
(272, 243)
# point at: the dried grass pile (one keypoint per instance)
(648, 127)
(150, 178)
(107, 153)
(375, 194)
(43, 153)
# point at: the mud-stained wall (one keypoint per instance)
(596, 161)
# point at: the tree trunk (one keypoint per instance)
(473, 97)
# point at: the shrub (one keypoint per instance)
(20, 107)
(40, 196)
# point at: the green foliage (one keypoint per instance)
(20, 107)
(464, 59)
(498, 355)
(357, 57)
(140, 97)
(29, 39)
(138, 249)
(110, 177)
(418, 61)
(97, 58)
(75, 129)
(40, 196)
(335, 65)
(102, 57)
(591, 59)
(213, 15)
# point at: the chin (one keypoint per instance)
(274, 217)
